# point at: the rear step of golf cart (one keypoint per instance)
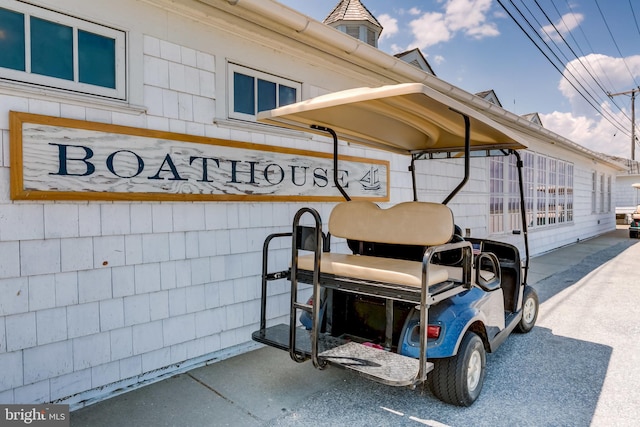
(420, 283)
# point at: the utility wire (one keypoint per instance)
(635, 20)
(580, 59)
(616, 44)
(581, 93)
(591, 49)
(572, 51)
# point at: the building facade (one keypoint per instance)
(104, 286)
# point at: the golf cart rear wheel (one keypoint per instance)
(458, 380)
(530, 307)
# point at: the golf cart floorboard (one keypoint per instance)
(382, 366)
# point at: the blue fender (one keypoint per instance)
(454, 316)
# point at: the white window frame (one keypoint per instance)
(541, 185)
(594, 191)
(602, 193)
(608, 193)
(233, 68)
(76, 24)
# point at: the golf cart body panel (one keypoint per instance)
(412, 291)
(456, 315)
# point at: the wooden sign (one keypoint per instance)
(65, 159)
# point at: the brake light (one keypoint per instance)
(433, 331)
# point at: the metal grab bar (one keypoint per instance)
(317, 250)
(266, 277)
(425, 295)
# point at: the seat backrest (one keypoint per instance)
(408, 223)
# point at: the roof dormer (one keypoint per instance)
(353, 18)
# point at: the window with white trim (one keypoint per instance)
(515, 219)
(594, 191)
(252, 91)
(496, 201)
(50, 49)
(602, 196)
(541, 190)
(528, 181)
(552, 191)
(569, 192)
(608, 193)
(547, 187)
(561, 193)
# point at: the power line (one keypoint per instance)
(593, 73)
(586, 39)
(594, 76)
(635, 20)
(570, 49)
(606, 115)
(615, 43)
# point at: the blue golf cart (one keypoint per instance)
(410, 299)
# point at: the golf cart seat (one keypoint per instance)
(418, 224)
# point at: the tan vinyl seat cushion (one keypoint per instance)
(408, 223)
(377, 269)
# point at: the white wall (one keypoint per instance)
(627, 197)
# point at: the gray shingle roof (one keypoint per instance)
(351, 10)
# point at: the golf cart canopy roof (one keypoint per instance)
(406, 118)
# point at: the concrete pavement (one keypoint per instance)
(578, 367)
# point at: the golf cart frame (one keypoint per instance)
(414, 297)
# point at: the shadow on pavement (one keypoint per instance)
(537, 379)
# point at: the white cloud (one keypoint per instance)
(396, 49)
(414, 11)
(482, 31)
(428, 30)
(438, 59)
(389, 25)
(465, 16)
(614, 74)
(567, 23)
(596, 134)
(595, 129)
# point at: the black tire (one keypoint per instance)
(530, 307)
(458, 380)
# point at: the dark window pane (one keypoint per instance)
(353, 31)
(12, 40)
(243, 94)
(287, 95)
(51, 49)
(96, 59)
(266, 95)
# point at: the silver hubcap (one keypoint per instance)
(474, 370)
(529, 310)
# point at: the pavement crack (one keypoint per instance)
(207, 386)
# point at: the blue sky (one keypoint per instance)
(477, 46)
